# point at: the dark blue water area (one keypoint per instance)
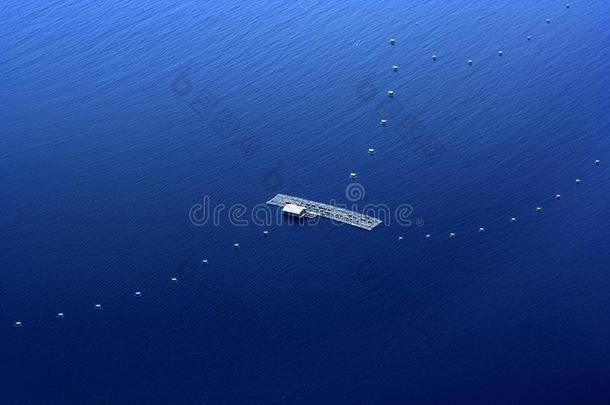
(119, 117)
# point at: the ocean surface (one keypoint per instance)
(122, 120)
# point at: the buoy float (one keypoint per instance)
(395, 68)
(434, 57)
(371, 151)
(538, 209)
(390, 93)
(265, 233)
(500, 53)
(577, 181)
(236, 246)
(60, 315)
(452, 235)
(383, 122)
(353, 175)
(481, 229)
(98, 306)
(137, 294)
(470, 62)
(18, 324)
(513, 220)
(392, 41)
(557, 196)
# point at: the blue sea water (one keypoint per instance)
(119, 116)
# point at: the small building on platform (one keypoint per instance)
(294, 210)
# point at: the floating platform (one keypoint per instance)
(338, 214)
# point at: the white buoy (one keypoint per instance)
(529, 38)
(353, 175)
(428, 236)
(481, 229)
(174, 280)
(434, 57)
(500, 53)
(236, 246)
(452, 235)
(383, 122)
(265, 233)
(597, 162)
(98, 306)
(400, 238)
(18, 324)
(60, 315)
(137, 294)
(513, 220)
(538, 209)
(390, 93)
(205, 261)
(371, 151)
(548, 20)
(577, 181)
(557, 196)
(568, 5)
(392, 41)
(470, 62)
(395, 68)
